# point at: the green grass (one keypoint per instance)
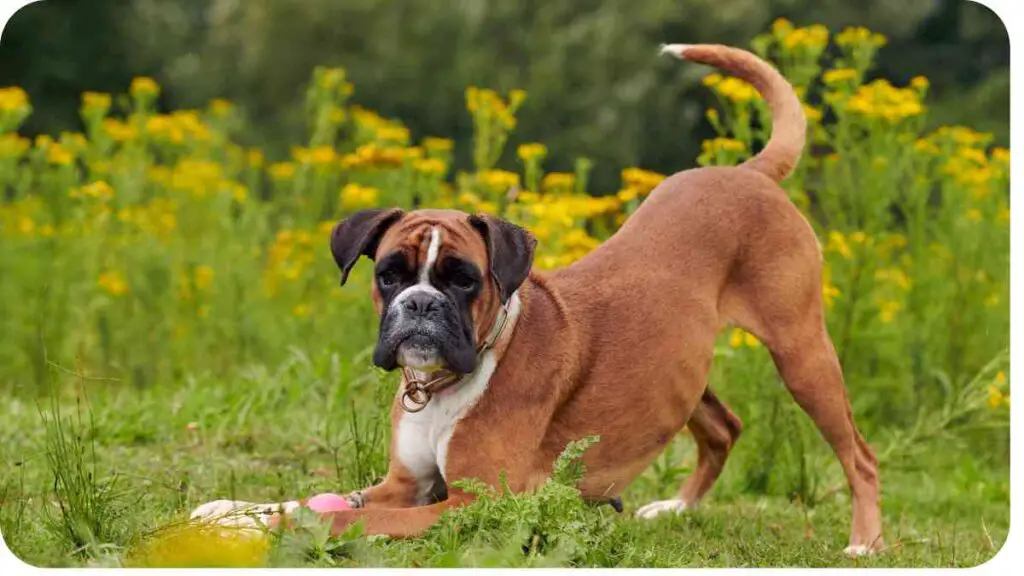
(125, 462)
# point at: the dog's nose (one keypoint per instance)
(421, 304)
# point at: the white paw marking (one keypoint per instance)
(658, 507)
(858, 551)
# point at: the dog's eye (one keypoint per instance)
(463, 281)
(387, 278)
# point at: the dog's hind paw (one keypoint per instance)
(662, 507)
(858, 551)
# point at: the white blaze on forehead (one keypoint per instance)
(432, 251)
(424, 285)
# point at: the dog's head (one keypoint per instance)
(441, 277)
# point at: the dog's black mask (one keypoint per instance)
(429, 323)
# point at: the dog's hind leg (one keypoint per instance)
(808, 364)
(778, 298)
(715, 430)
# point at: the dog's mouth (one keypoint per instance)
(425, 349)
(420, 352)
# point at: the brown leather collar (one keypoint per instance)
(419, 392)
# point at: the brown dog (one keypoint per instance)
(503, 366)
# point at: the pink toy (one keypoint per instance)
(327, 502)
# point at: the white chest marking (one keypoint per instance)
(422, 437)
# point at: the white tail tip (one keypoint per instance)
(677, 50)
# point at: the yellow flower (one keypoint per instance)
(203, 276)
(394, 134)
(301, 310)
(558, 181)
(220, 107)
(193, 545)
(119, 131)
(715, 145)
(974, 215)
(736, 90)
(781, 27)
(739, 337)
(528, 152)
(888, 310)
(645, 180)
(322, 155)
(1001, 155)
(438, 144)
(837, 243)
(331, 77)
(882, 100)
(628, 194)
(897, 276)
(860, 36)
(839, 76)
(255, 157)
(430, 167)
(919, 83)
(516, 98)
(281, 170)
(99, 190)
(144, 86)
(991, 300)
(57, 154)
(113, 283)
(712, 80)
(829, 293)
(996, 398)
(926, 146)
(500, 181)
(13, 99)
(98, 102)
(813, 114)
(13, 145)
(26, 225)
(354, 197)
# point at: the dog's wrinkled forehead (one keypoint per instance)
(424, 238)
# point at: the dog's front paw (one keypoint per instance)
(240, 514)
(659, 507)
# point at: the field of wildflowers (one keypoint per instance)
(153, 249)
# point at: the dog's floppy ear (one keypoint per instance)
(359, 235)
(509, 250)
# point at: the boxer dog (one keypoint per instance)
(502, 366)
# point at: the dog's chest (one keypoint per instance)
(422, 437)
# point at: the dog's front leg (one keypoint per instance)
(398, 490)
(394, 522)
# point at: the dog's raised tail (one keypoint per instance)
(779, 157)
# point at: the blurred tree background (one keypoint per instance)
(596, 87)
